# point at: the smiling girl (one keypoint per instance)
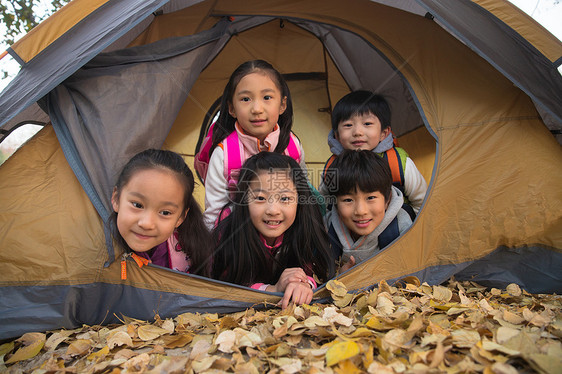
(256, 114)
(274, 240)
(156, 215)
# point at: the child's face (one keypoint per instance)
(361, 132)
(257, 104)
(361, 212)
(272, 203)
(149, 207)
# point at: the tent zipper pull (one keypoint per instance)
(141, 261)
(124, 265)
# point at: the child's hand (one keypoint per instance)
(298, 293)
(288, 276)
(348, 265)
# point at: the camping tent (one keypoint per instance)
(475, 96)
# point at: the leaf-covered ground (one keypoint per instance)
(411, 328)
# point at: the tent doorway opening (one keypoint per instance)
(318, 74)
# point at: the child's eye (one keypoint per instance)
(347, 200)
(371, 197)
(287, 199)
(166, 213)
(136, 205)
(246, 99)
(260, 198)
(368, 123)
(347, 125)
(268, 97)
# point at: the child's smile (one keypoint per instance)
(361, 212)
(361, 131)
(257, 104)
(149, 208)
(272, 204)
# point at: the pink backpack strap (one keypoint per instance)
(293, 150)
(232, 159)
(201, 159)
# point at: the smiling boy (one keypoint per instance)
(361, 121)
(368, 212)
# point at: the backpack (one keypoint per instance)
(233, 159)
(396, 159)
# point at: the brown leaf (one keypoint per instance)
(119, 338)
(79, 347)
(513, 290)
(150, 332)
(336, 288)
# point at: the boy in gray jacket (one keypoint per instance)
(368, 213)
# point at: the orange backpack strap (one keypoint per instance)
(328, 163)
(395, 164)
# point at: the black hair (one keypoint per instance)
(240, 256)
(363, 170)
(359, 103)
(194, 238)
(225, 122)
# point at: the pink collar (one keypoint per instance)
(252, 144)
(275, 245)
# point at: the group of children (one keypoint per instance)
(263, 224)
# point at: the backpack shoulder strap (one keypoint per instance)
(396, 167)
(201, 159)
(328, 163)
(335, 245)
(232, 156)
(293, 150)
(388, 235)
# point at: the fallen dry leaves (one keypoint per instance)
(408, 328)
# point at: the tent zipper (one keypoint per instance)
(141, 261)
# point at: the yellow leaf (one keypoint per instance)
(150, 332)
(336, 287)
(376, 323)
(341, 351)
(6, 348)
(361, 332)
(99, 354)
(440, 306)
(33, 342)
(346, 367)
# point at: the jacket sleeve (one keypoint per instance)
(415, 185)
(216, 194)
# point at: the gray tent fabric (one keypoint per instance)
(345, 47)
(86, 113)
(489, 37)
(71, 51)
